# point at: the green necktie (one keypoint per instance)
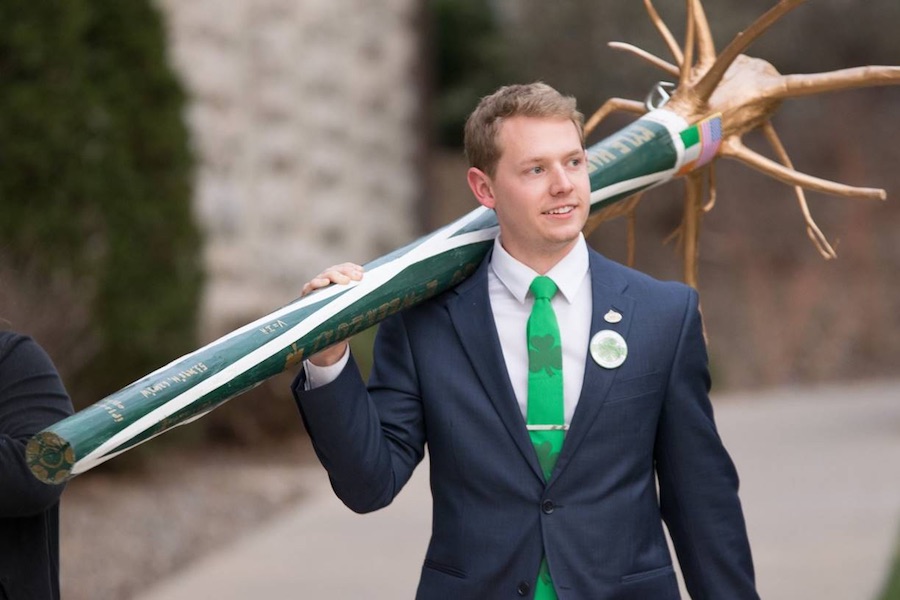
(545, 416)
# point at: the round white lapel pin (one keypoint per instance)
(612, 316)
(608, 349)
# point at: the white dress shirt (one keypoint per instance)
(511, 302)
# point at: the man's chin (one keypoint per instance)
(568, 232)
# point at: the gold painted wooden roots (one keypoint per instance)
(747, 92)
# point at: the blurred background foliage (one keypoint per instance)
(470, 60)
(98, 251)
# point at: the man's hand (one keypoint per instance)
(341, 274)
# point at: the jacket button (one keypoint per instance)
(547, 507)
(523, 588)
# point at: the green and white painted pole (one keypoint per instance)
(651, 151)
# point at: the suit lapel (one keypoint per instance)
(470, 312)
(607, 293)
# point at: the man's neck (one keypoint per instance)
(542, 260)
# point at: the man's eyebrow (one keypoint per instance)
(543, 158)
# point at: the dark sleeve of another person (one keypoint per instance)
(32, 397)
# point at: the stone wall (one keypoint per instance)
(305, 117)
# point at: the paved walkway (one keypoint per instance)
(820, 471)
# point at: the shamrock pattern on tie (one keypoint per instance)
(545, 379)
(544, 354)
(545, 396)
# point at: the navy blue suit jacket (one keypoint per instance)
(439, 379)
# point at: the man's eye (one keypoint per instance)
(536, 170)
(575, 162)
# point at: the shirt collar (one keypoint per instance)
(568, 273)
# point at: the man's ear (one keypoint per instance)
(480, 184)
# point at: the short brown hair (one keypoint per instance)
(526, 100)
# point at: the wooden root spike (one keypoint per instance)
(613, 211)
(706, 48)
(644, 55)
(707, 85)
(690, 228)
(792, 86)
(688, 62)
(734, 148)
(664, 32)
(625, 208)
(610, 106)
(676, 237)
(710, 204)
(812, 230)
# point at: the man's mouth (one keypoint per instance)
(562, 210)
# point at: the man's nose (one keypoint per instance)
(561, 182)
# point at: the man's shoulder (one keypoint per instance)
(632, 280)
(473, 283)
(472, 289)
(437, 303)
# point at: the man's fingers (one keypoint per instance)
(314, 284)
(341, 274)
(351, 270)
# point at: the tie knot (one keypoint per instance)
(543, 287)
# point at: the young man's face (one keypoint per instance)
(540, 189)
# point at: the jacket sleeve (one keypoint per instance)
(32, 397)
(698, 483)
(369, 441)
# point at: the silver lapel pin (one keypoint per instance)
(612, 316)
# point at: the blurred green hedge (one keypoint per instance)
(95, 183)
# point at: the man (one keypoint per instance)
(479, 375)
